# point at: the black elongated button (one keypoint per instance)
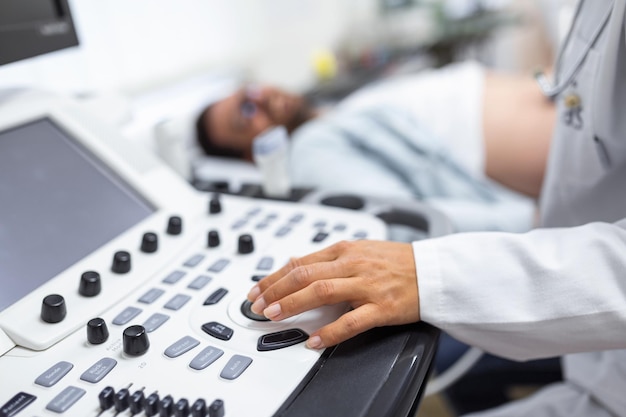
(16, 404)
(320, 236)
(282, 339)
(181, 408)
(215, 297)
(218, 330)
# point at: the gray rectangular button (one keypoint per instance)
(54, 374)
(98, 370)
(151, 296)
(127, 315)
(203, 359)
(194, 261)
(200, 282)
(67, 398)
(173, 277)
(219, 265)
(155, 321)
(265, 264)
(177, 302)
(181, 346)
(235, 367)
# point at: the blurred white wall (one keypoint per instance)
(132, 46)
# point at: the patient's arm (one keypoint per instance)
(518, 122)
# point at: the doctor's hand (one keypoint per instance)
(376, 278)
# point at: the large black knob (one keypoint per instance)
(174, 226)
(121, 262)
(213, 239)
(90, 284)
(215, 205)
(97, 331)
(135, 340)
(246, 244)
(53, 308)
(149, 242)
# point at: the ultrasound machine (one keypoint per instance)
(123, 288)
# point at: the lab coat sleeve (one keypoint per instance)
(544, 293)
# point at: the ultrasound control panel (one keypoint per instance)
(124, 289)
(177, 339)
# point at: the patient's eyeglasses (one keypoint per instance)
(248, 109)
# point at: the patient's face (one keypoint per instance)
(236, 120)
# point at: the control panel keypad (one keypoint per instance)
(185, 318)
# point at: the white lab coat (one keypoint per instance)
(561, 289)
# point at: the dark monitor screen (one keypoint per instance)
(34, 27)
(58, 203)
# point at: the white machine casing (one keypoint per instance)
(30, 347)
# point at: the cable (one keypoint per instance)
(454, 372)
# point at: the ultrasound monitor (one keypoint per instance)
(59, 204)
(30, 28)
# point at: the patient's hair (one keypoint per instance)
(205, 140)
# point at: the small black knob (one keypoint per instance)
(174, 226)
(105, 398)
(53, 309)
(151, 405)
(121, 262)
(149, 242)
(215, 205)
(135, 403)
(213, 239)
(198, 408)
(135, 340)
(97, 331)
(120, 400)
(181, 408)
(166, 406)
(216, 409)
(246, 244)
(90, 284)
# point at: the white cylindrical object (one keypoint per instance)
(271, 154)
(170, 146)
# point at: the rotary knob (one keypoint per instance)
(97, 331)
(246, 244)
(213, 239)
(135, 340)
(53, 309)
(149, 242)
(90, 284)
(121, 262)
(215, 205)
(174, 226)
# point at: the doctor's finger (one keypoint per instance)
(325, 255)
(318, 294)
(345, 327)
